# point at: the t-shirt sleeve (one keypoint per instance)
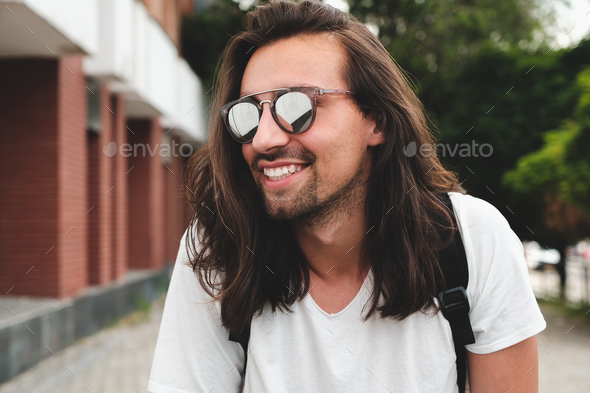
(193, 353)
(503, 310)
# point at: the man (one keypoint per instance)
(311, 226)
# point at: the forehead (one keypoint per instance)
(315, 60)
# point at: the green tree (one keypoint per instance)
(508, 100)
(204, 36)
(434, 40)
(559, 174)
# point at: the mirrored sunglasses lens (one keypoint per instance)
(294, 111)
(243, 119)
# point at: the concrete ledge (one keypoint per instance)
(39, 327)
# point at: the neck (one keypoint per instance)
(333, 247)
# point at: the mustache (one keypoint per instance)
(284, 153)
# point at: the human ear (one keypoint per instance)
(377, 121)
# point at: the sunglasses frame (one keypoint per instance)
(310, 92)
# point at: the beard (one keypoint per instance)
(309, 207)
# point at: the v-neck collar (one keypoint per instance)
(349, 305)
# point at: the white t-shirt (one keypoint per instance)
(310, 350)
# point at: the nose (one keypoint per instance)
(269, 134)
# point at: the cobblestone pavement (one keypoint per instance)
(118, 359)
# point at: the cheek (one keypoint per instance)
(248, 153)
(339, 148)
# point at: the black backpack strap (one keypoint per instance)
(242, 338)
(453, 301)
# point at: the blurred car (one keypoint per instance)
(537, 258)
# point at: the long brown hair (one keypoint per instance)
(259, 261)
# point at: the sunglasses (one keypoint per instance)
(293, 109)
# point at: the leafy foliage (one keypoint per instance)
(560, 169)
(508, 99)
(434, 40)
(204, 36)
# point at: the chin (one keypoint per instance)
(280, 211)
(280, 215)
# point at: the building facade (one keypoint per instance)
(98, 113)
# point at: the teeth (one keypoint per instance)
(282, 172)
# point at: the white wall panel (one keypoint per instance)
(76, 19)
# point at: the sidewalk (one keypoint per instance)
(35, 329)
(118, 359)
(564, 352)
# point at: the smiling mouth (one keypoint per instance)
(280, 173)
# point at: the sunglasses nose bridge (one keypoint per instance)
(261, 103)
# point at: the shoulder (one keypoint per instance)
(497, 275)
(477, 213)
(191, 330)
(490, 244)
(185, 275)
(483, 228)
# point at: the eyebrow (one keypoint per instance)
(247, 93)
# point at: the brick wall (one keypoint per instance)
(53, 243)
(174, 203)
(43, 179)
(72, 177)
(100, 195)
(167, 13)
(119, 180)
(145, 195)
(187, 7)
